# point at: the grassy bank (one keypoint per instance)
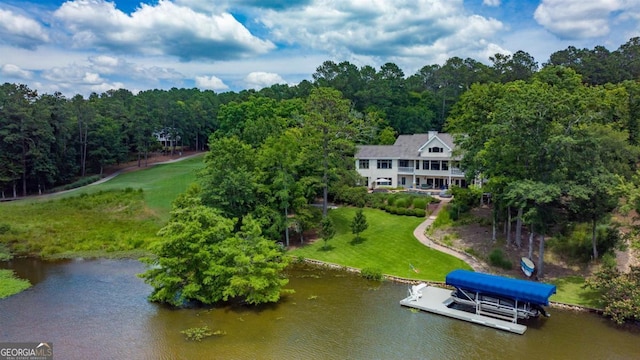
(118, 218)
(387, 245)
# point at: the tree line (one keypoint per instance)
(49, 140)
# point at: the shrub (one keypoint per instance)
(351, 195)
(577, 243)
(419, 212)
(402, 202)
(419, 203)
(372, 274)
(442, 220)
(497, 258)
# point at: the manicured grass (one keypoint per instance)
(388, 244)
(10, 284)
(160, 183)
(570, 291)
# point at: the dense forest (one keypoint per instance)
(49, 140)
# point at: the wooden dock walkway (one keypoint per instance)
(437, 300)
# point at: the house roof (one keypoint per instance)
(406, 146)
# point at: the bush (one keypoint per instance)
(351, 195)
(372, 274)
(497, 258)
(402, 202)
(420, 203)
(419, 212)
(442, 220)
(577, 243)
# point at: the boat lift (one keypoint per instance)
(498, 296)
(484, 299)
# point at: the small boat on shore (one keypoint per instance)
(527, 266)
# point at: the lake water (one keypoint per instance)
(97, 309)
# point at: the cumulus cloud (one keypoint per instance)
(161, 29)
(491, 2)
(210, 83)
(18, 30)
(579, 19)
(405, 28)
(15, 72)
(258, 80)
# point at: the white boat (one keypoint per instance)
(527, 266)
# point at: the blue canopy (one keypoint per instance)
(521, 290)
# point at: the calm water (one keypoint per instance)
(98, 310)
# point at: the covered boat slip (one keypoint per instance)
(520, 290)
(489, 300)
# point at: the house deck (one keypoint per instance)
(437, 300)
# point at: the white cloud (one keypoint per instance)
(161, 29)
(491, 2)
(210, 83)
(21, 31)
(258, 80)
(14, 71)
(577, 19)
(424, 29)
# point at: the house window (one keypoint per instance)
(445, 165)
(403, 163)
(435, 165)
(384, 164)
(417, 164)
(363, 164)
(425, 164)
(436, 149)
(403, 180)
(417, 181)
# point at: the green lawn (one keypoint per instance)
(388, 245)
(570, 291)
(161, 183)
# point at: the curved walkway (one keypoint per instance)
(420, 234)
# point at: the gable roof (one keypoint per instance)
(406, 146)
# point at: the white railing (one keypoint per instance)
(405, 170)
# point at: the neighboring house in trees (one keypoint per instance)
(419, 161)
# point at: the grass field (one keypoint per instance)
(160, 183)
(103, 220)
(570, 291)
(388, 245)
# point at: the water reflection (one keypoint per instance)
(98, 309)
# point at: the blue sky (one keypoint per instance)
(84, 46)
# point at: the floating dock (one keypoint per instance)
(437, 300)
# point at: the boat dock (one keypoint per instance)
(437, 300)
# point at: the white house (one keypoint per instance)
(421, 161)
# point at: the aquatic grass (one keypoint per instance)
(10, 284)
(390, 247)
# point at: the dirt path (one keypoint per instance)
(420, 234)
